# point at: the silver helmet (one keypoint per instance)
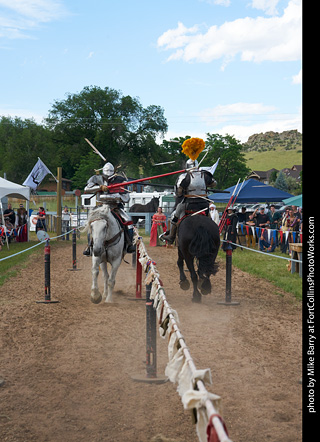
(191, 163)
(108, 170)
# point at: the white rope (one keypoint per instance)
(36, 245)
(263, 253)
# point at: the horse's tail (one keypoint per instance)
(203, 247)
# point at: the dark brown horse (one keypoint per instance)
(150, 207)
(198, 239)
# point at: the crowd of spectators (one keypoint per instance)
(14, 223)
(272, 229)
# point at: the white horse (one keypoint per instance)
(108, 247)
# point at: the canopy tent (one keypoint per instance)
(7, 188)
(252, 191)
(294, 201)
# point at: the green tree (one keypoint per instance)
(21, 143)
(119, 126)
(281, 182)
(232, 164)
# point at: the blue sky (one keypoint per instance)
(217, 66)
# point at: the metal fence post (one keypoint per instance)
(228, 278)
(74, 250)
(47, 281)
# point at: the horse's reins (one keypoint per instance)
(108, 242)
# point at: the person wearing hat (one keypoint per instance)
(230, 227)
(262, 218)
(214, 214)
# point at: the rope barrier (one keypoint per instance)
(191, 385)
(263, 253)
(36, 245)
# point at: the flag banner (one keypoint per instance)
(269, 235)
(37, 174)
(211, 169)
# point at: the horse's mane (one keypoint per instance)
(96, 212)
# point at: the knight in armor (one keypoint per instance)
(230, 230)
(191, 196)
(114, 198)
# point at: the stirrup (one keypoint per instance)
(131, 248)
(169, 238)
(161, 237)
(87, 252)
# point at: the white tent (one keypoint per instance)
(7, 188)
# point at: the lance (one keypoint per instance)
(95, 149)
(234, 200)
(140, 180)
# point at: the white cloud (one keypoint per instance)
(297, 79)
(245, 119)
(234, 111)
(19, 17)
(217, 2)
(237, 119)
(21, 113)
(254, 39)
(268, 6)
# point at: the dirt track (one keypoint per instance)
(67, 367)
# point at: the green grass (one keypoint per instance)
(268, 267)
(277, 159)
(9, 268)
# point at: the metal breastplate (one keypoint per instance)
(197, 184)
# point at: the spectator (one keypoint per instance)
(284, 228)
(214, 214)
(250, 225)
(262, 218)
(274, 218)
(158, 228)
(243, 216)
(265, 242)
(22, 219)
(296, 212)
(41, 220)
(66, 222)
(293, 223)
(9, 217)
(242, 219)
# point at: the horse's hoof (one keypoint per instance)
(97, 298)
(196, 298)
(205, 286)
(184, 285)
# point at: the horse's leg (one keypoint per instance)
(95, 294)
(196, 295)
(184, 283)
(112, 278)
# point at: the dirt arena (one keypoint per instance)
(67, 368)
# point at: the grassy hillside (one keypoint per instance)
(269, 150)
(278, 159)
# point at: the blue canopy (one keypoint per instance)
(252, 191)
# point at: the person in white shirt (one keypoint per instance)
(214, 214)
